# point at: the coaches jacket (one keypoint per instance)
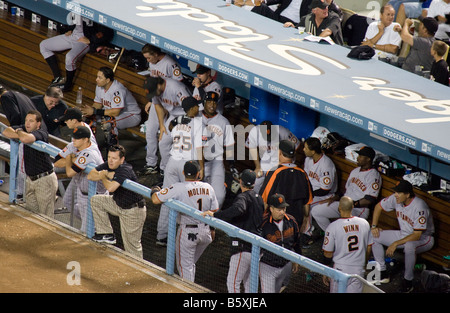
(289, 238)
(246, 212)
(283, 4)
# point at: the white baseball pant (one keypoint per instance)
(239, 272)
(151, 136)
(273, 278)
(191, 241)
(322, 213)
(215, 176)
(411, 249)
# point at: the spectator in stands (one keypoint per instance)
(274, 270)
(419, 53)
(204, 83)
(263, 141)
(440, 10)
(162, 65)
(381, 36)
(323, 177)
(218, 141)
(51, 107)
(83, 153)
(41, 183)
(286, 11)
(78, 38)
(128, 205)
(363, 186)
(397, 3)
(167, 96)
(114, 103)
(439, 70)
(415, 235)
(292, 182)
(321, 22)
(412, 9)
(246, 212)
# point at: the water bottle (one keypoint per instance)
(79, 100)
(390, 261)
(1, 182)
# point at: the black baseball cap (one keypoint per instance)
(189, 102)
(367, 151)
(318, 4)
(278, 201)
(81, 132)
(201, 69)
(288, 147)
(430, 24)
(191, 168)
(212, 96)
(248, 178)
(404, 186)
(71, 113)
(150, 86)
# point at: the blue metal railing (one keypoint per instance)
(177, 207)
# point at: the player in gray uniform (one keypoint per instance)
(73, 118)
(114, 102)
(162, 65)
(192, 236)
(347, 244)
(187, 145)
(73, 40)
(204, 83)
(322, 175)
(363, 186)
(166, 95)
(217, 135)
(75, 163)
(262, 142)
(415, 235)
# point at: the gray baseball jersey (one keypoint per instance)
(269, 150)
(217, 134)
(172, 97)
(363, 182)
(415, 216)
(167, 67)
(322, 175)
(348, 239)
(119, 97)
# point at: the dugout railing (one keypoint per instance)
(176, 207)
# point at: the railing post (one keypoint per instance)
(14, 162)
(170, 256)
(90, 227)
(254, 269)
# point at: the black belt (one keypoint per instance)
(36, 177)
(139, 204)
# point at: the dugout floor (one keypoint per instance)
(35, 257)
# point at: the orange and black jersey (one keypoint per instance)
(288, 238)
(293, 183)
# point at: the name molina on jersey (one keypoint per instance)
(198, 192)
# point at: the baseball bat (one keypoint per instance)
(118, 59)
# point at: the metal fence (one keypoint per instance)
(310, 267)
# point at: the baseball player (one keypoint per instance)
(246, 212)
(262, 142)
(192, 236)
(415, 235)
(162, 65)
(217, 135)
(347, 244)
(114, 103)
(363, 186)
(291, 181)
(166, 95)
(75, 163)
(186, 146)
(281, 229)
(79, 38)
(322, 176)
(204, 83)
